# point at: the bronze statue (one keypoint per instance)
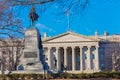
(33, 15)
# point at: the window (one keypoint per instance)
(78, 58)
(93, 56)
(85, 56)
(70, 57)
(102, 66)
(102, 56)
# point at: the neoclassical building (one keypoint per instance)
(78, 53)
(71, 52)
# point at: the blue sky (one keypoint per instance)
(99, 15)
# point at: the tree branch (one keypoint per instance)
(31, 3)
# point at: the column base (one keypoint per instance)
(82, 71)
(91, 70)
(73, 70)
(98, 70)
(88, 71)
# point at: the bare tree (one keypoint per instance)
(18, 45)
(11, 51)
(74, 5)
(11, 26)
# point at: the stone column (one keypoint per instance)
(81, 58)
(58, 58)
(65, 57)
(15, 54)
(89, 58)
(73, 59)
(97, 59)
(49, 57)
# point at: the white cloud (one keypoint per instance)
(44, 28)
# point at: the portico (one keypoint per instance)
(74, 52)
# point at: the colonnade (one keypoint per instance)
(87, 57)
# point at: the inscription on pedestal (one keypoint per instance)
(30, 54)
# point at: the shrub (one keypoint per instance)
(64, 76)
(101, 74)
(115, 75)
(15, 76)
(83, 76)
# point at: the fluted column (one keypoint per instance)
(49, 57)
(73, 59)
(58, 58)
(89, 58)
(97, 58)
(65, 57)
(81, 58)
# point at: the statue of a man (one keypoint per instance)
(33, 15)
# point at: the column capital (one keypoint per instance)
(64, 47)
(45, 47)
(72, 47)
(80, 46)
(89, 46)
(57, 47)
(49, 47)
(97, 46)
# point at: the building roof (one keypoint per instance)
(68, 36)
(101, 38)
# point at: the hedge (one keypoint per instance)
(65, 75)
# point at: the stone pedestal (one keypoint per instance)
(31, 58)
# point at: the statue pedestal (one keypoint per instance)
(31, 59)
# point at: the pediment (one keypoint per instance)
(69, 37)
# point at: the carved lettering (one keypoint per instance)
(30, 54)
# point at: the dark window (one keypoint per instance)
(93, 56)
(85, 56)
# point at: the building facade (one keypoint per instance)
(78, 53)
(71, 52)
